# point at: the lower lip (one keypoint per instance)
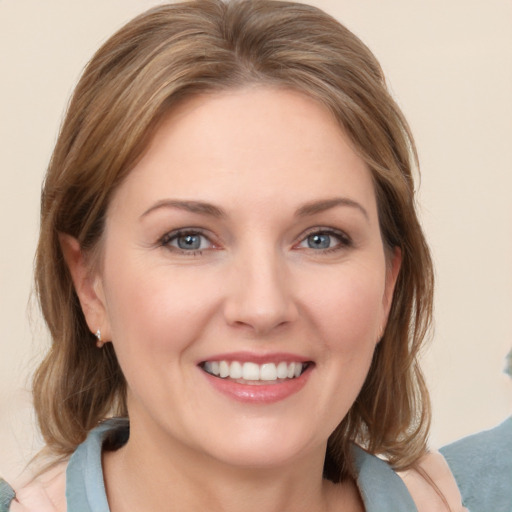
(259, 393)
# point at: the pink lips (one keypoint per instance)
(259, 392)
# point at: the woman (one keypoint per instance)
(230, 257)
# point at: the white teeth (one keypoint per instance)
(224, 369)
(252, 371)
(282, 370)
(268, 372)
(235, 370)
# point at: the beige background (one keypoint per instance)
(449, 63)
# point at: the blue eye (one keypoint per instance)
(325, 240)
(187, 241)
(319, 241)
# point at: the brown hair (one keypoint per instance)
(161, 57)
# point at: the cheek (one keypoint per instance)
(349, 310)
(156, 311)
(346, 313)
(155, 320)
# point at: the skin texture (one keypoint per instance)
(258, 284)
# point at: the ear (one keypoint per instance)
(393, 269)
(88, 286)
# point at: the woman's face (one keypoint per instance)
(244, 282)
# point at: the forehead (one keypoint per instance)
(258, 144)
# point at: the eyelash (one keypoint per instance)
(166, 240)
(344, 241)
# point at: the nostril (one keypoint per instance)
(260, 316)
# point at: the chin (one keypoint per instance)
(261, 447)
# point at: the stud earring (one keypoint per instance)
(99, 341)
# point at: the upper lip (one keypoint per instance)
(258, 358)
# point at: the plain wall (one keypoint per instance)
(449, 64)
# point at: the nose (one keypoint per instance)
(259, 295)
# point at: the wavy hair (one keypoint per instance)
(158, 59)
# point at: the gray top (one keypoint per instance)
(381, 488)
(482, 466)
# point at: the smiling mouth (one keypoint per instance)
(253, 373)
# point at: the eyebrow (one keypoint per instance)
(326, 204)
(189, 206)
(211, 210)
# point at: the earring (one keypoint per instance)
(99, 341)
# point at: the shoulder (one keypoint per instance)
(428, 487)
(432, 485)
(77, 482)
(45, 493)
(482, 466)
(7, 494)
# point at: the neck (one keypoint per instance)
(153, 472)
